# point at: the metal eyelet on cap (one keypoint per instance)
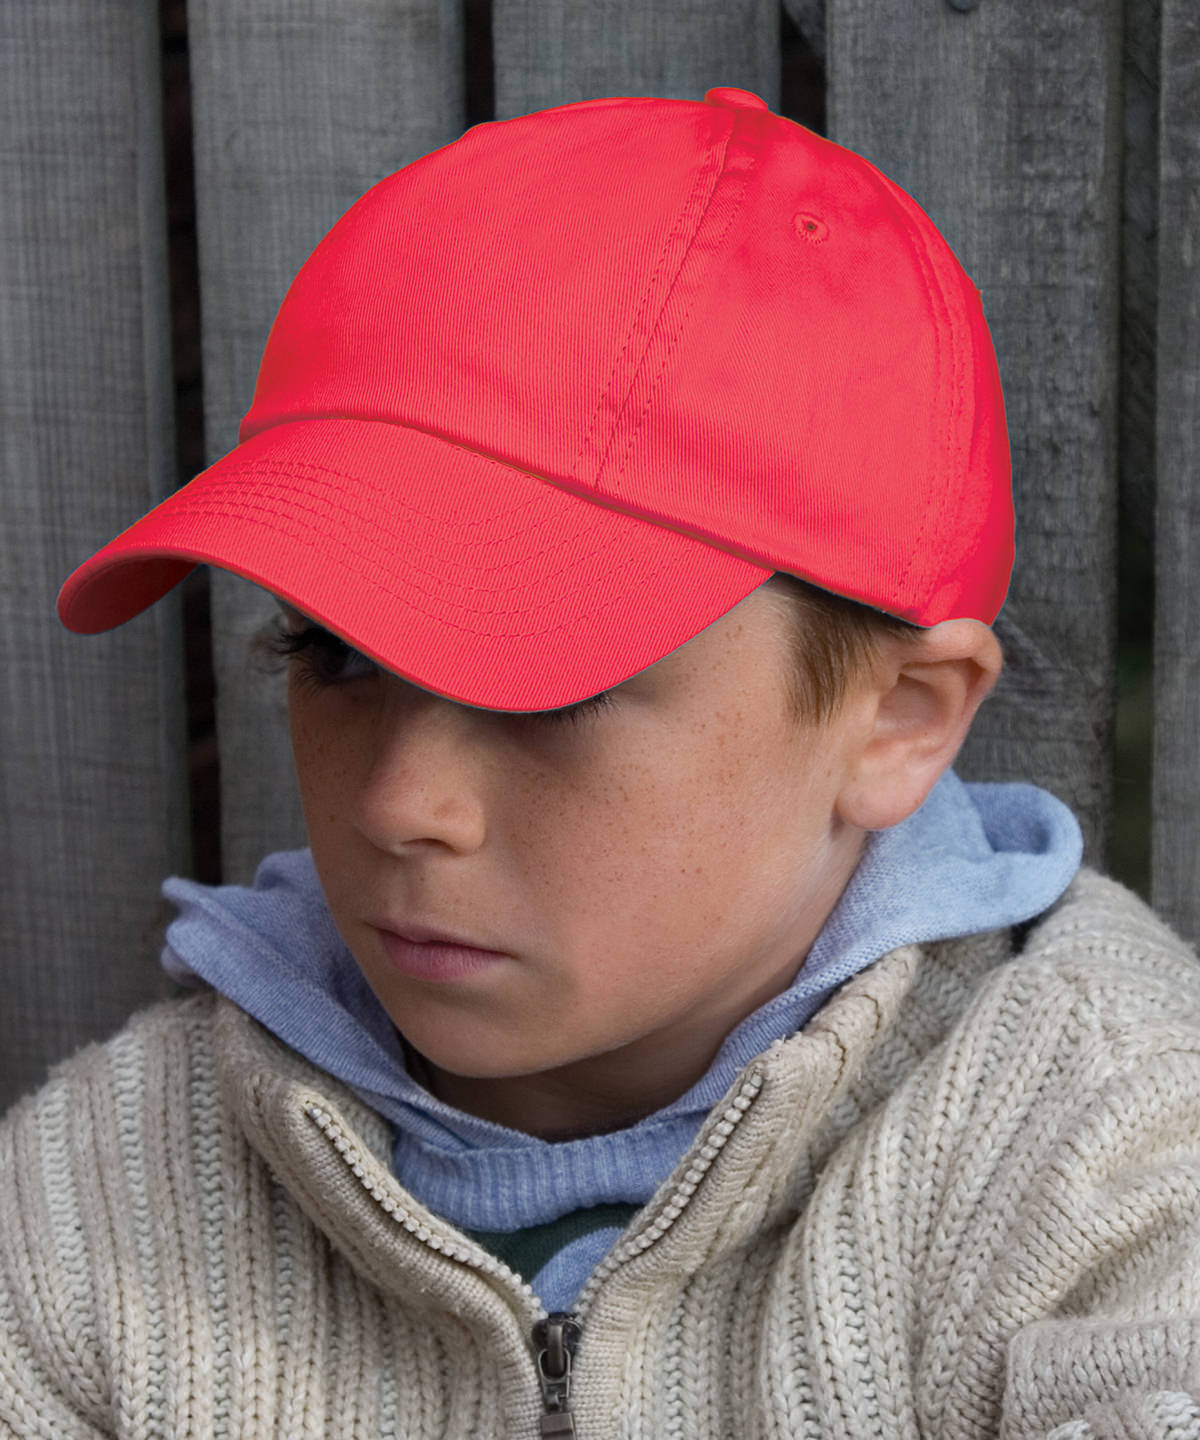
(811, 227)
(737, 99)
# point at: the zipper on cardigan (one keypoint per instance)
(557, 1338)
(678, 1200)
(437, 1240)
(556, 1335)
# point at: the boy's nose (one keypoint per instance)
(422, 780)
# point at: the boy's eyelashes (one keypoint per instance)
(581, 710)
(324, 657)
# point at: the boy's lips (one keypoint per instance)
(428, 934)
(436, 958)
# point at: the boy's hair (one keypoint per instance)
(833, 641)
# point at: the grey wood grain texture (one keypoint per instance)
(808, 16)
(580, 49)
(298, 109)
(92, 729)
(1175, 835)
(1139, 268)
(1003, 123)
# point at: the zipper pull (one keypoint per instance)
(557, 1339)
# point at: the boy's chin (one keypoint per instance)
(498, 1057)
(437, 1057)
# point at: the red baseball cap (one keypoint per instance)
(550, 400)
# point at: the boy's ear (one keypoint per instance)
(911, 718)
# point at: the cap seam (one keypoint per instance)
(257, 499)
(938, 507)
(651, 393)
(708, 175)
(324, 539)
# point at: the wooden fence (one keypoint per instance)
(1056, 145)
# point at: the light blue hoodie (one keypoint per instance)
(974, 857)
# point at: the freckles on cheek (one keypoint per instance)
(600, 841)
(306, 747)
(670, 827)
(320, 765)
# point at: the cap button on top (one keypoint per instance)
(738, 99)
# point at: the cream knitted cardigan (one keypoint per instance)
(963, 1201)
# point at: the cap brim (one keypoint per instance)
(480, 582)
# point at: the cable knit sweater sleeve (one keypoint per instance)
(1064, 1213)
(1115, 1208)
(52, 1379)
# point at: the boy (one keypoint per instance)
(657, 1038)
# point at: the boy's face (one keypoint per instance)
(655, 872)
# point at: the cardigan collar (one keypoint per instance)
(973, 858)
(744, 1170)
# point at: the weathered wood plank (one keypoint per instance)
(1136, 422)
(579, 50)
(1175, 836)
(1003, 122)
(298, 110)
(1139, 263)
(92, 728)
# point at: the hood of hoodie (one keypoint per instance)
(974, 857)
